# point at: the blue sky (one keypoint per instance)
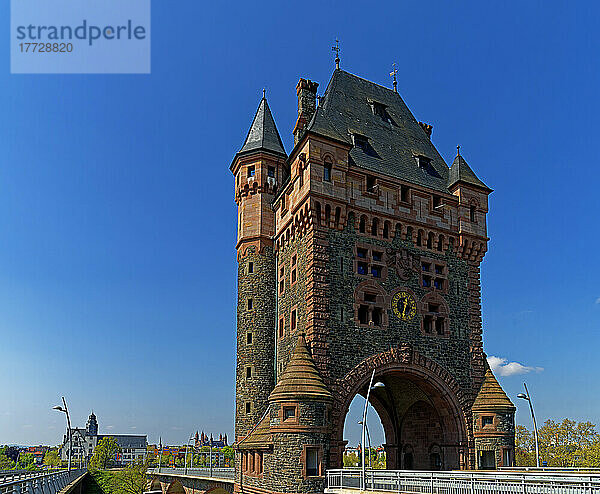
(117, 219)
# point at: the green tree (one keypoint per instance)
(26, 462)
(351, 460)
(5, 462)
(131, 480)
(228, 455)
(104, 453)
(524, 447)
(51, 458)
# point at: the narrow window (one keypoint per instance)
(362, 253)
(371, 184)
(485, 420)
(430, 240)
(312, 462)
(248, 372)
(427, 324)
(338, 214)
(318, 211)
(439, 269)
(377, 256)
(327, 172)
(341, 314)
(363, 314)
(289, 413)
(293, 276)
(439, 326)
(250, 303)
(301, 175)
(426, 281)
(425, 266)
(249, 338)
(281, 327)
(438, 283)
(251, 171)
(437, 202)
(472, 211)
(376, 316)
(293, 321)
(281, 279)
(362, 268)
(404, 193)
(440, 244)
(283, 206)
(250, 267)
(376, 271)
(342, 265)
(271, 172)
(374, 227)
(362, 226)
(419, 238)
(248, 407)
(386, 230)
(327, 214)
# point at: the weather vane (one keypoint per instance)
(336, 49)
(393, 74)
(458, 150)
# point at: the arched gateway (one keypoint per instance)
(359, 252)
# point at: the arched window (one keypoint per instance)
(435, 315)
(363, 224)
(338, 214)
(327, 169)
(327, 214)
(386, 229)
(318, 211)
(419, 238)
(409, 233)
(440, 243)
(374, 227)
(430, 240)
(472, 211)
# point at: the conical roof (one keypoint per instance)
(460, 171)
(263, 134)
(301, 379)
(491, 396)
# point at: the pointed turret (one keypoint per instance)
(301, 379)
(263, 134)
(460, 171)
(491, 396)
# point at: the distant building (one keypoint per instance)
(84, 441)
(204, 440)
(38, 452)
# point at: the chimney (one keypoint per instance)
(307, 104)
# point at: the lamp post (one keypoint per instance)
(66, 411)
(525, 396)
(369, 439)
(186, 453)
(210, 455)
(364, 425)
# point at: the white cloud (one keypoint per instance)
(110, 426)
(133, 427)
(501, 366)
(598, 301)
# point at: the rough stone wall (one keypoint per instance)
(259, 355)
(498, 437)
(350, 344)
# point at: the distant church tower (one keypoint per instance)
(359, 252)
(91, 427)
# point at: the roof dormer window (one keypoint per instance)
(423, 162)
(360, 141)
(380, 110)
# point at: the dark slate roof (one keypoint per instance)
(460, 171)
(127, 441)
(346, 109)
(263, 132)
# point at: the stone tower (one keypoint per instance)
(91, 428)
(258, 170)
(370, 247)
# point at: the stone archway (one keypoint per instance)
(421, 407)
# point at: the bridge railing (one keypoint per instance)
(403, 481)
(217, 473)
(38, 482)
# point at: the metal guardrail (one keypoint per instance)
(38, 482)
(498, 482)
(217, 473)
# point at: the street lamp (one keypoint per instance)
(364, 425)
(525, 396)
(186, 453)
(66, 411)
(369, 438)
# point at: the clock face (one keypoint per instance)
(404, 305)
